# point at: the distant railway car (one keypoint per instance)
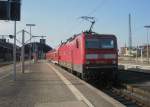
(52, 56)
(89, 54)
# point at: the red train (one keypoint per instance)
(89, 55)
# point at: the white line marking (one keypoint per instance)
(73, 89)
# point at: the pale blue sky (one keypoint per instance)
(59, 19)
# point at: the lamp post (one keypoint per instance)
(14, 51)
(141, 55)
(22, 50)
(147, 27)
(30, 26)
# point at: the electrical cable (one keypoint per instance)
(100, 5)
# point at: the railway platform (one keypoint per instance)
(47, 85)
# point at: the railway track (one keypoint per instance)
(121, 94)
(125, 98)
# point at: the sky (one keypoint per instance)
(60, 19)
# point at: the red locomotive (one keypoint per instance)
(90, 55)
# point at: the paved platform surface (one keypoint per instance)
(46, 85)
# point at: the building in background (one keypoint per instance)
(135, 51)
(37, 49)
(6, 50)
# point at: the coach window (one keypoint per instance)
(77, 43)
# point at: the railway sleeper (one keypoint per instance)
(139, 100)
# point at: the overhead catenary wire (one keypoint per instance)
(100, 5)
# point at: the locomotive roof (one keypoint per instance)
(86, 33)
(97, 34)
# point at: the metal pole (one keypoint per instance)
(130, 35)
(14, 53)
(147, 48)
(42, 52)
(22, 51)
(136, 54)
(147, 27)
(9, 7)
(141, 56)
(36, 53)
(30, 25)
(30, 50)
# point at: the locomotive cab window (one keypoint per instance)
(107, 43)
(77, 43)
(95, 43)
